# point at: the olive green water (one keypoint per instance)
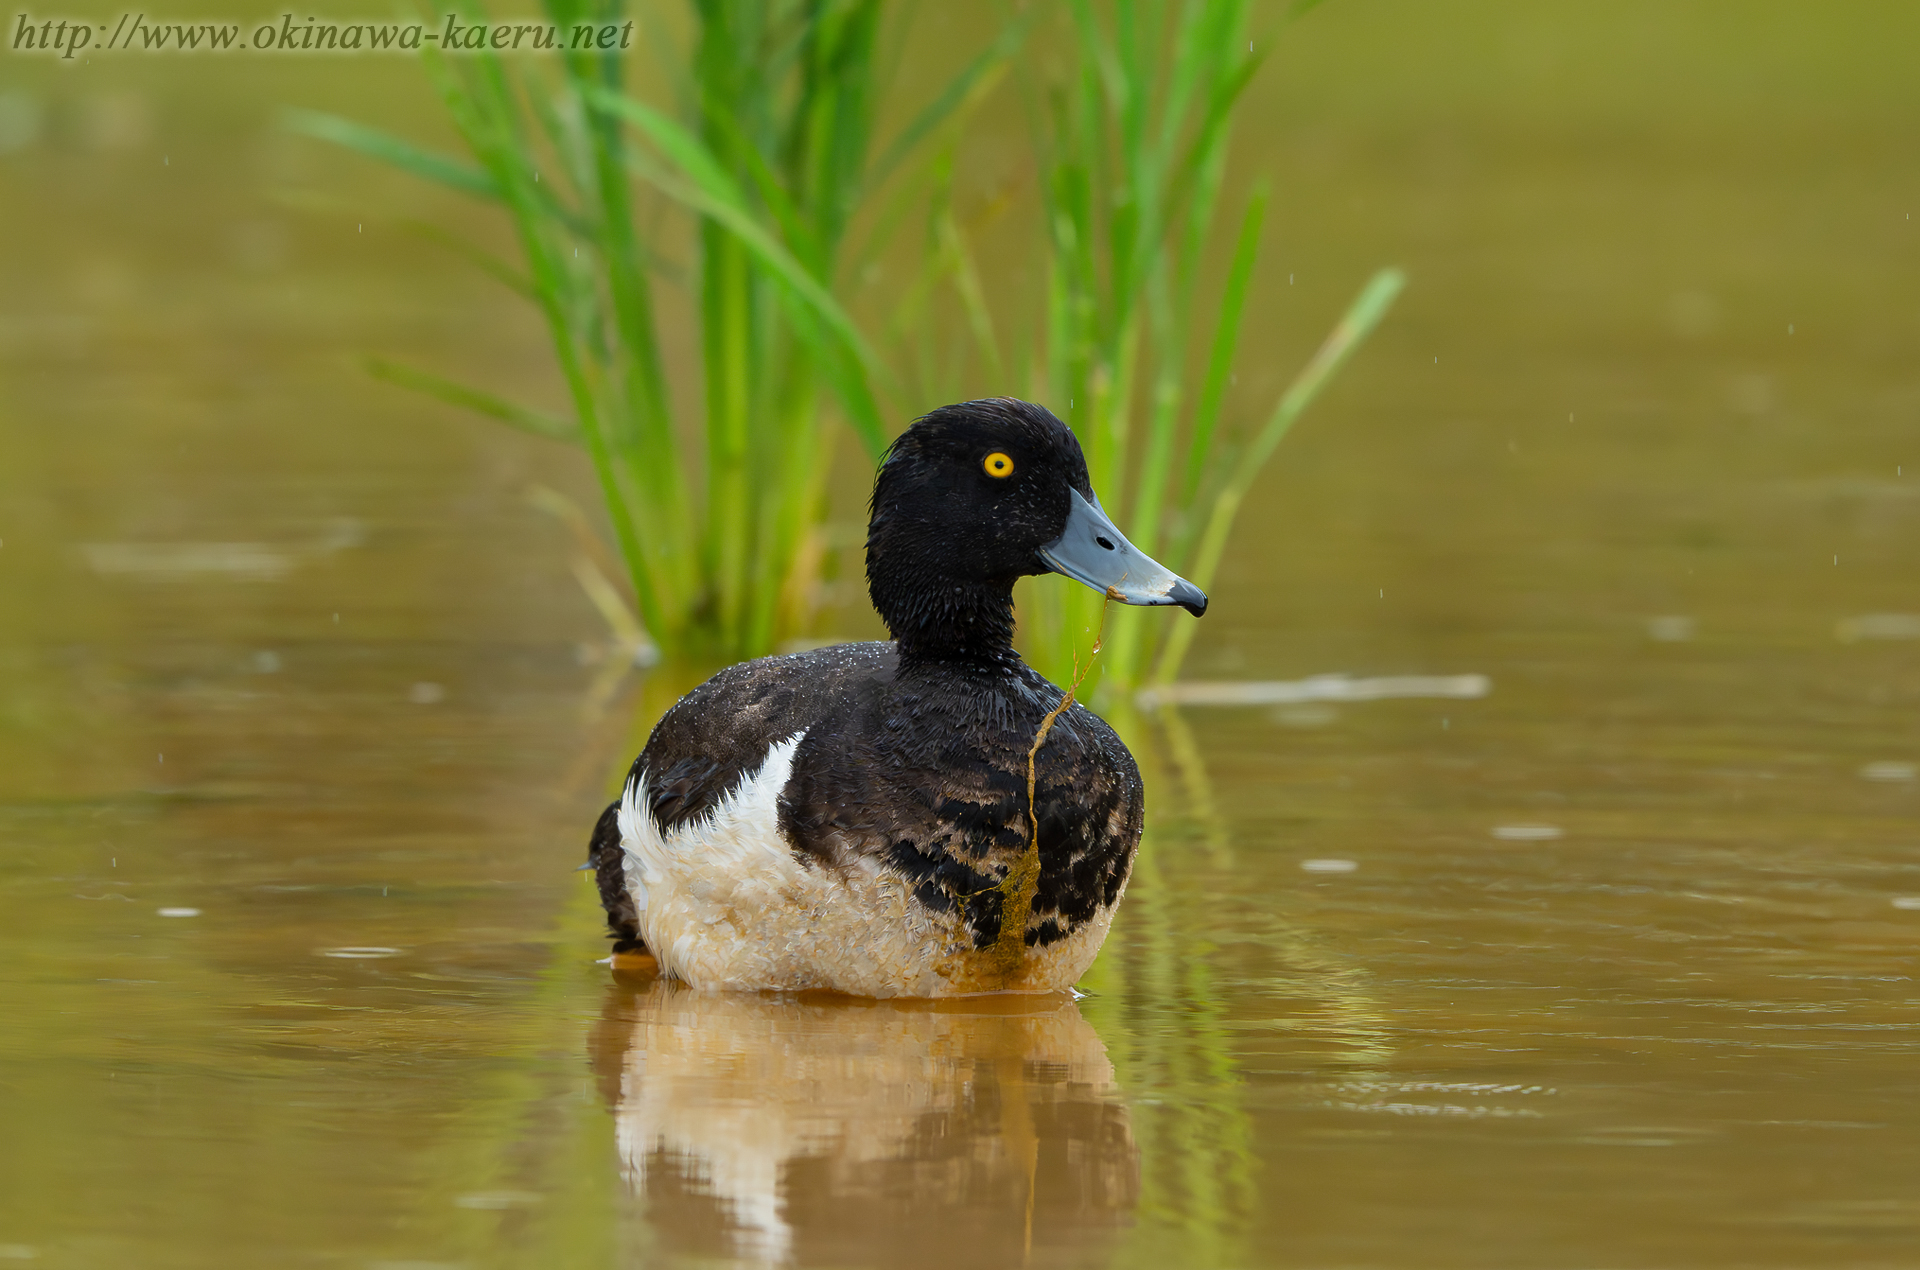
(289, 649)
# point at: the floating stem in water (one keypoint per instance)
(1023, 879)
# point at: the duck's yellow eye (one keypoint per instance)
(998, 465)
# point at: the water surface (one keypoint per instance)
(1613, 966)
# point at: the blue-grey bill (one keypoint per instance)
(1094, 551)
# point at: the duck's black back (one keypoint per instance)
(920, 770)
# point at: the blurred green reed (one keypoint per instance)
(774, 157)
(1133, 147)
(721, 539)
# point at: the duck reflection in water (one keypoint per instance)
(781, 1129)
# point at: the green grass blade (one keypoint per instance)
(1217, 49)
(387, 148)
(846, 378)
(645, 441)
(1210, 137)
(1226, 341)
(792, 219)
(974, 81)
(480, 258)
(678, 143)
(712, 192)
(973, 296)
(830, 132)
(1358, 322)
(475, 399)
(930, 175)
(1365, 313)
(1197, 45)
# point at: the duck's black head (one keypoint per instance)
(976, 495)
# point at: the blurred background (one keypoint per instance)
(304, 717)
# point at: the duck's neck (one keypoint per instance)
(947, 622)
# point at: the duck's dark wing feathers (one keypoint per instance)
(719, 734)
(929, 774)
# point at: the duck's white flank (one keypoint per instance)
(725, 902)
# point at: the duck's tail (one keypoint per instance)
(608, 859)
